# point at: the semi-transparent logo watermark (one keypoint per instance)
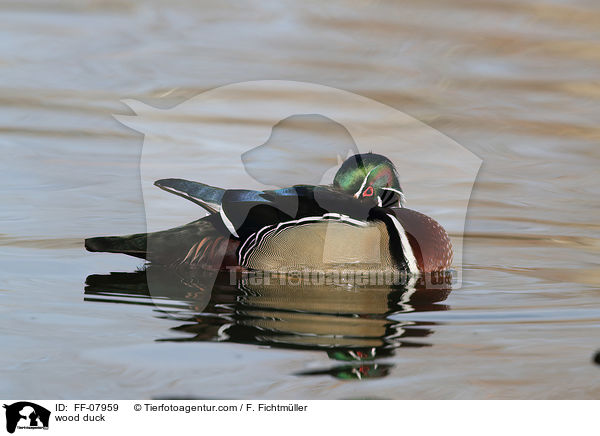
(295, 277)
(269, 134)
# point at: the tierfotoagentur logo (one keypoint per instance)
(294, 277)
(273, 134)
(24, 415)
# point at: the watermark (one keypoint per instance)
(272, 134)
(298, 278)
(24, 415)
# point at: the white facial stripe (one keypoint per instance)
(393, 189)
(356, 195)
(411, 261)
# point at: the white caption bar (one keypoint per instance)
(154, 417)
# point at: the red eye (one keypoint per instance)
(368, 192)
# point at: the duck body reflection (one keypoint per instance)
(349, 322)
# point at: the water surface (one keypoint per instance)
(516, 83)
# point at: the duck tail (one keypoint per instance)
(133, 245)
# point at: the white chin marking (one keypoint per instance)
(400, 193)
(411, 261)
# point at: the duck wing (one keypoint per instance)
(209, 197)
(244, 211)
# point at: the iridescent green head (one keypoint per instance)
(370, 176)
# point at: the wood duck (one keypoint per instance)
(359, 223)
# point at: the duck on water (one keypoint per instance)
(359, 223)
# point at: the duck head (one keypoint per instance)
(370, 177)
